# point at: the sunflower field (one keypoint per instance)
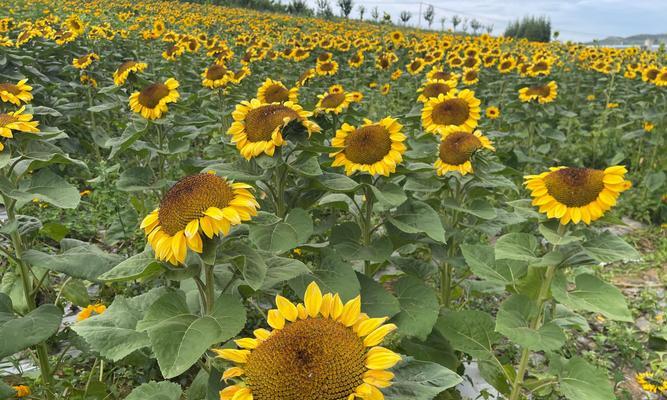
(202, 202)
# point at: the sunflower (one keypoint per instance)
(434, 88)
(356, 60)
(456, 150)
(416, 66)
(650, 73)
(319, 350)
(470, 76)
(577, 194)
(275, 92)
(305, 77)
(125, 69)
(384, 90)
(91, 310)
(661, 78)
(22, 391)
(16, 93)
(507, 65)
(492, 112)
(337, 88)
(356, 97)
(257, 127)
(648, 126)
(240, 75)
(374, 147)
(327, 68)
(542, 93)
(173, 52)
(203, 203)
(333, 102)
(396, 74)
(215, 76)
(459, 109)
(84, 61)
(16, 121)
(396, 37)
(437, 73)
(152, 101)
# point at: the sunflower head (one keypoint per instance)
(333, 102)
(434, 88)
(323, 349)
(492, 112)
(215, 76)
(577, 194)
(456, 150)
(458, 109)
(152, 101)
(275, 92)
(203, 203)
(15, 93)
(542, 93)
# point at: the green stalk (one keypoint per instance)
(210, 287)
(367, 216)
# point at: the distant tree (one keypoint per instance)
(324, 9)
(386, 18)
(475, 25)
(456, 20)
(362, 10)
(489, 29)
(536, 29)
(442, 22)
(345, 7)
(375, 13)
(429, 15)
(299, 7)
(464, 25)
(556, 35)
(405, 17)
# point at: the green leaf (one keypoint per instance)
(579, 380)
(180, 338)
(470, 331)
(552, 236)
(376, 301)
(277, 238)
(436, 348)
(482, 262)
(300, 220)
(103, 107)
(337, 182)
(6, 391)
(50, 188)
(419, 308)
(139, 266)
(307, 165)
(138, 179)
(250, 263)
(514, 321)
(478, 207)
(420, 380)
(76, 292)
(113, 333)
(6, 308)
(85, 261)
(332, 274)
(390, 194)
(54, 231)
(416, 217)
(346, 239)
(280, 269)
(607, 247)
(517, 246)
(164, 390)
(592, 294)
(33, 328)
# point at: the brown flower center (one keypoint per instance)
(216, 72)
(333, 100)
(189, 198)
(276, 94)
(575, 187)
(311, 359)
(458, 147)
(442, 75)
(150, 97)
(368, 144)
(262, 121)
(126, 65)
(541, 91)
(451, 112)
(6, 119)
(326, 66)
(9, 87)
(435, 89)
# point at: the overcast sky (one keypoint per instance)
(578, 20)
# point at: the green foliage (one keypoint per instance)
(537, 29)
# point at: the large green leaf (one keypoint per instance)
(113, 333)
(419, 308)
(164, 390)
(420, 380)
(180, 338)
(436, 348)
(85, 261)
(478, 207)
(482, 262)
(337, 182)
(138, 266)
(470, 331)
(517, 246)
(281, 269)
(418, 217)
(390, 194)
(332, 274)
(251, 264)
(277, 238)
(579, 380)
(514, 321)
(33, 328)
(592, 294)
(47, 187)
(376, 301)
(607, 247)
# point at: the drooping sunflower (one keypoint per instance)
(203, 203)
(434, 88)
(326, 68)
(16, 93)
(305, 77)
(215, 76)
(542, 93)
(374, 147)
(577, 194)
(257, 127)
(456, 150)
(333, 102)
(84, 61)
(275, 92)
(16, 121)
(459, 109)
(125, 69)
(240, 75)
(152, 101)
(319, 350)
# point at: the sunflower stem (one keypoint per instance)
(535, 323)
(367, 216)
(210, 287)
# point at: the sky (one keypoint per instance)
(577, 20)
